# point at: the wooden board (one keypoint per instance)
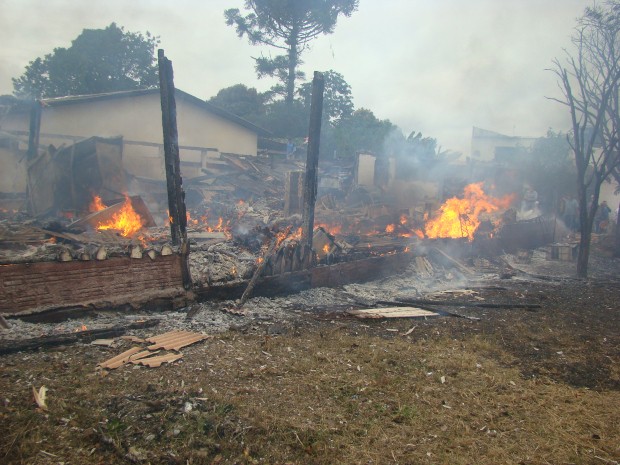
(392, 312)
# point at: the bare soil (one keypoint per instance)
(516, 386)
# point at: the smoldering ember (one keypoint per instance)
(179, 302)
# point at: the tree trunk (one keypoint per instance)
(617, 248)
(293, 58)
(587, 211)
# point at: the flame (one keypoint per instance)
(96, 205)
(461, 217)
(126, 220)
(333, 229)
(390, 228)
(326, 248)
(403, 219)
(191, 220)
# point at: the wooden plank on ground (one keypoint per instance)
(120, 359)
(392, 312)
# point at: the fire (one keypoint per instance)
(333, 229)
(390, 228)
(403, 219)
(126, 220)
(96, 205)
(461, 217)
(326, 248)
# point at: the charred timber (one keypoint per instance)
(312, 159)
(87, 336)
(174, 182)
(321, 276)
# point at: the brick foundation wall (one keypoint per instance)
(31, 287)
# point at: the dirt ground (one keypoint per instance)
(505, 385)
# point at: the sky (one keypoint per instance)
(435, 66)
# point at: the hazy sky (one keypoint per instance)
(436, 66)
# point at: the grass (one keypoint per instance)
(334, 394)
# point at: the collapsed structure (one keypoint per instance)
(108, 224)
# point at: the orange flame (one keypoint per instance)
(126, 220)
(96, 205)
(333, 229)
(390, 228)
(461, 217)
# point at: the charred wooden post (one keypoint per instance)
(35, 129)
(174, 182)
(312, 158)
(293, 192)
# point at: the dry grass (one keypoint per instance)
(332, 394)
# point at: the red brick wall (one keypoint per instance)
(26, 287)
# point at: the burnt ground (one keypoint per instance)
(297, 380)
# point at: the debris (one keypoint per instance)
(135, 252)
(37, 343)
(132, 339)
(154, 362)
(119, 360)
(409, 331)
(102, 253)
(175, 340)
(103, 342)
(459, 265)
(259, 269)
(40, 397)
(140, 355)
(64, 255)
(3, 323)
(452, 303)
(391, 312)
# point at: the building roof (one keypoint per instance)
(179, 95)
(479, 133)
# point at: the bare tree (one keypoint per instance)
(588, 79)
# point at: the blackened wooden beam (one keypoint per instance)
(35, 129)
(174, 182)
(312, 159)
(87, 336)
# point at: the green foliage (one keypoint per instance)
(337, 99)
(242, 101)
(286, 121)
(98, 60)
(362, 131)
(289, 26)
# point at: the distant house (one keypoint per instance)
(205, 131)
(492, 146)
